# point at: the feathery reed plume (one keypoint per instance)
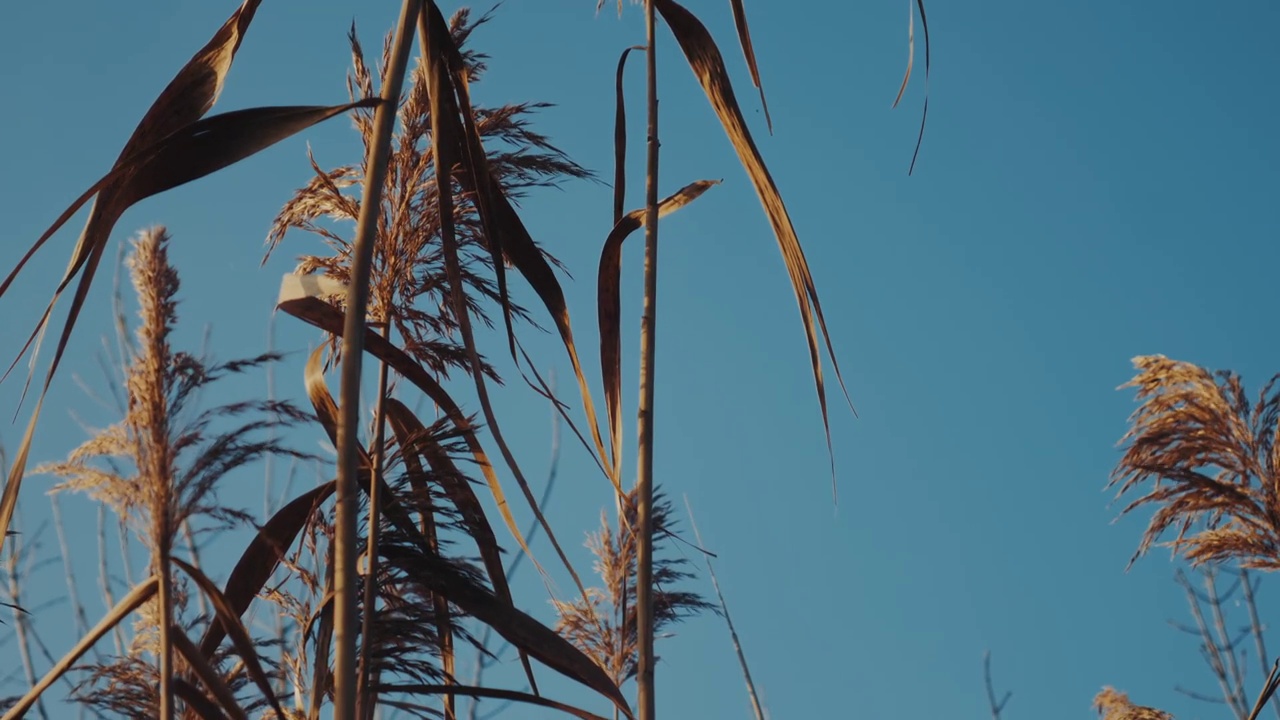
(1114, 705)
(408, 284)
(1211, 457)
(158, 470)
(607, 629)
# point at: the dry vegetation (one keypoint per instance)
(388, 572)
(378, 579)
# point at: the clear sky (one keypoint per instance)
(1094, 185)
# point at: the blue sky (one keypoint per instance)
(1093, 185)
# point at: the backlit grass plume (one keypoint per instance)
(1206, 456)
(408, 283)
(607, 630)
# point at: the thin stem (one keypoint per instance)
(996, 707)
(371, 546)
(104, 577)
(1220, 625)
(345, 681)
(189, 538)
(757, 709)
(166, 625)
(20, 627)
(644, 470)
(73, 593)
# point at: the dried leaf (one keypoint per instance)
(186, 98)
(708, 65)
(261, 557)
(229, 619)
(330, 319)
(749, 53)
(516, 627)
(911, 54)
(414, 439)
(197, 702)
(609, 306)
(503, 225)
(192, 152)
(209, 676)
(620, 141)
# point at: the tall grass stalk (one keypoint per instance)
(645, 690)
(346, 540)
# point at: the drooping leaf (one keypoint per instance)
(230, 622)
(620, 140)
(911, 56)
(412, 443)
(609, 306)
(749, 53)
(413, 438)
(502, 224)
(141, 593)
(189, 153)
(197, 702)
(708, 65)
(322, 315)
(261, 558)
(186, 98)
(521, 630)
(207, 675)
(452, 142)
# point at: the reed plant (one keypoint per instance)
(379, 576)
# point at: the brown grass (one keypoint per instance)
(1206, 457)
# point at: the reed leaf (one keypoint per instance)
(708, 65)
(261, 557)
(415, 439)
(207, 675)
(609, 306)
(911, 55)
(197, 702)
(141, 593)
(240, 637)
(186, 98)
(749, 53)
(193, 151)
(315, 311)
(503, 224)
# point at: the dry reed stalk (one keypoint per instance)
(345, 579)
(15, 568)
(646, 617)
